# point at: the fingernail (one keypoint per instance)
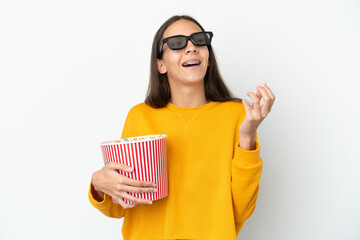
(130, 168)
(149, 202)
(155, 190)
(154, 185)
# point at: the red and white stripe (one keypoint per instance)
(148, 159)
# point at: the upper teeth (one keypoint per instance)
(191, 62)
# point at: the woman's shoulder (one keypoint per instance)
(137, 107)
(140, 108)
(234, 106)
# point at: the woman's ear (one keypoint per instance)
(161, 66)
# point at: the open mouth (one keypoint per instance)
(191, 63)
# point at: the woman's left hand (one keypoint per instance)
(255, 114)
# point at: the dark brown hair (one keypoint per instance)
(158, 94)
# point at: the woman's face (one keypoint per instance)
(172, 62)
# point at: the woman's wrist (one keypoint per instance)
(97, 194)
(248, 141)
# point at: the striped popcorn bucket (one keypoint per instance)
(147, 156)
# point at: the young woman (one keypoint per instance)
(214, 163)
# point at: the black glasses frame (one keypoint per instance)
(166, 40)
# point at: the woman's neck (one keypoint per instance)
(188, 96)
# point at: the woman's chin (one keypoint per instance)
(194, 77)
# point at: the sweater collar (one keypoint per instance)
(190, 109)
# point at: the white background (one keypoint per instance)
(71, 70)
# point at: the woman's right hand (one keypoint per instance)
(108, 180)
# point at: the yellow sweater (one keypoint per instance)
(213, 183)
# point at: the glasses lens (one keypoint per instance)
(177, 42)
(201, 39)
(180, 41)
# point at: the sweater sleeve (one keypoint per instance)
(246, 170)
(107, 207)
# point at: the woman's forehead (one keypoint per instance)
(182, 27)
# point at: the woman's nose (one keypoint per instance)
(191, 47)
